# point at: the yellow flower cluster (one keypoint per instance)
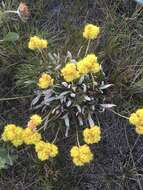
(69, 72)
(31, 136)
(92, 135)
(81, 155)
(46, 150)
(35, 120)
(13, 134)
(37, 43)
(88, 64)
(91, 31)
(136, 119)
(18, 136)
(45, 81)
(85, 66)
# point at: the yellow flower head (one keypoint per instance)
(81, 155)
(46, 150)
(81, 67)
(91, 31)
(139, 130)
(45, 81)
(92, 135)
(88, 64)
(136, 119)
(69, 72)
(139, 113)
(30, 136)
(14, 134)
(35, 120)
(37, 43)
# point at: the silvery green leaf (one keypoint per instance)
(69, 55)
(80, 121)
(46, 92)
(91, 122)
(102, 83)
(81, 80)
(69, 86)
(44, 107)
(73, 61)
(38, 92)
(56, 108)
(93, 107)
(45, 123)
(62, 100)
(57, 112)
(67, 123)
(102, 71)
(29, 82)
(62, 109)
(74, 88)
(65, 99)
(48, 97)
(65, 84)
(49, 100)
(63, 94)
(3, 4)
(78, 108)
(35, 100)
(57, 67)
(73, 95)
(101, 110)
(87, 98)
(83, 110)
(84, 88)
(102, 87)
(69, 103)
(107, 105)
(38, 106)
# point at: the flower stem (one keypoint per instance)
(87, 47)
(56, 135)
(77, 137)
(119, 114)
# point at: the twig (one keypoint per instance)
(15, 98)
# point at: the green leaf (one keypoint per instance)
(11, 37)
(2, 163)
(6, 159)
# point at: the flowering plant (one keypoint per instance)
(75, 91)
(69, 95)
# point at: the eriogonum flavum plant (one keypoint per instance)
(73, 93)
(69, 95)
